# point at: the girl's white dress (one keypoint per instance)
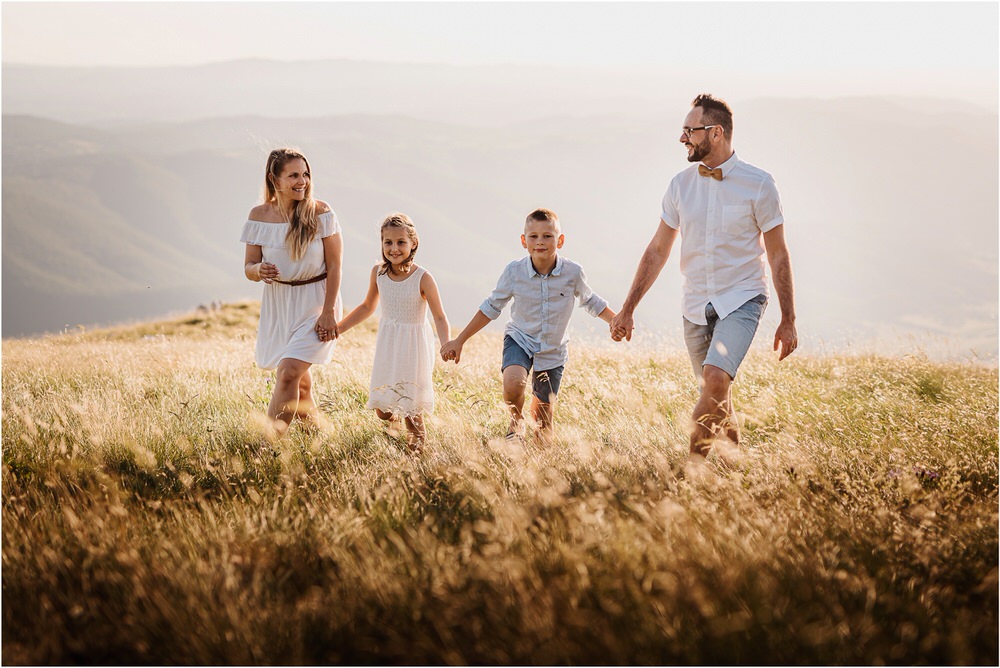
(404, 349)
(288, 313)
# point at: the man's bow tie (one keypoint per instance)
(714, 173)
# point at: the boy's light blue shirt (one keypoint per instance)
(542, 307)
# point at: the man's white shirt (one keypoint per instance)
(721, 224)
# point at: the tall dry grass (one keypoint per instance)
(146, 519)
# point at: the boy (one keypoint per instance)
(543, 287)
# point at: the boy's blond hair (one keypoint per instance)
(543, 216)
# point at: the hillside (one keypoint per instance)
(146, 519)
(138, 220)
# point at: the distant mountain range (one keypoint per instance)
(891, 205)
(446, 93)
(468, 95)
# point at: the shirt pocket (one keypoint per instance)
(562, 300)
(737, 219)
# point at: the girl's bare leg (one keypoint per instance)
(394, 428)
(417, 432)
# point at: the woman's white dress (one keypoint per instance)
(288, 313)
(404, 349)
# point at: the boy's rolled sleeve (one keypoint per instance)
(590, 301)
(494, 305)
(595, 305)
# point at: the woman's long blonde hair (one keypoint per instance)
(304, 222)
(403, 221)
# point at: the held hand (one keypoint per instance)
(451, 351)
(326, 334)
(787, 337)
(326, 327)
(268, 271)
(622, 326)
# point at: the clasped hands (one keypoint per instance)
(327, 328)
(621, 327)
(325, 334)
(451, 351)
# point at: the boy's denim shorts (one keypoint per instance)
(723, 343)
(544, 384)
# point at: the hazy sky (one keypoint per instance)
(761, 38)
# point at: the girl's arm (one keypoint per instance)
(607, 315)
(429, 291)
(333, 252)
(253, 266)
(364, 310)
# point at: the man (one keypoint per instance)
(729, 217)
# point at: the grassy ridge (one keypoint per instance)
(145, 519)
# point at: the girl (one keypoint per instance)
(404, 348)
(293, 245)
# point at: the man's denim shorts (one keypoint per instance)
(544, 384)
(723, 343)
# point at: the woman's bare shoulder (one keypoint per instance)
(262, 213)
(322, 207)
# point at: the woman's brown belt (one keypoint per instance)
(307, 281)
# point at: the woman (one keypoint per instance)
(294, 245)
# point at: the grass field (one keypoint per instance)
(146, 519)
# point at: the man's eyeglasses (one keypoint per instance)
(687, 131)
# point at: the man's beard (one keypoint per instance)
(700, 151)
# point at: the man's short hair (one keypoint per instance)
(542, 216)
(715, 111)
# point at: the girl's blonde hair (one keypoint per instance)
(403, 221)
(304, 222)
